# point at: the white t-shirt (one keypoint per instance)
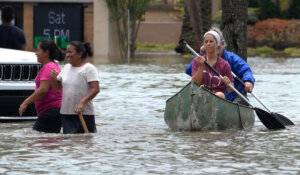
(75, 87)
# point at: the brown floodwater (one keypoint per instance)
(133, 138)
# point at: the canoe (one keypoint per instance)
(195, 108)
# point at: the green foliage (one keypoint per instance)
(293, 11)
(264, 49)
(217, 18)
(188, 56)
(139, 6)
(154, 1)
(119, 12)
(293, 51)
(155, 47)
(180, 1)
(253, 3)
(268, 9)
(116, 10)
(180, 15)
(284, 5)
(260, 51)
(278, 9)
(253, 14)
(270, 52)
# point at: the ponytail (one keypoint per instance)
(55, 53)
(84, 48)
(59, 54)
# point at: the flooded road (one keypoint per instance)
(133, 138)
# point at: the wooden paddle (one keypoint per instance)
(271, 121)
(83, 123)
(283, 119)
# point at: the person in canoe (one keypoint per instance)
(47, 100)
(202, 75)
(80, 82)
(238, 66)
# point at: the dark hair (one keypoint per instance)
(7, 13)
(55, 53)
(84, 48)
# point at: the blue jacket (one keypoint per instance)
(239, 67)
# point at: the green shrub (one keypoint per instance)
(293, 51)
(253, 14)
(217, 19)
(264, 49)
(155, 47)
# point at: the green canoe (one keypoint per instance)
(194, 108)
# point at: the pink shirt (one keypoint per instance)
(209, 79)
(53, 98)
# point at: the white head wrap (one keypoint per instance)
(215, 34)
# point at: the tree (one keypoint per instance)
(197, 20)
(283, 9)
(119, 12)
(234, 26)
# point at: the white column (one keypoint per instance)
(106, 44)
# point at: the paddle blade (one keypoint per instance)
(271, 121)
(283, 119)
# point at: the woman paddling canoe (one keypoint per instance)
(238, 66)
(203, 75)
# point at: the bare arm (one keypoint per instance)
(197, 77)
(38, 94)
(95, 89)
(227, 81)
(54, 82)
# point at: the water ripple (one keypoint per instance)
(132, 137)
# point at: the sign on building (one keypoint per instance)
(61, 22)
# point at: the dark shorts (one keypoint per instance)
(49, 121)
(71, 124)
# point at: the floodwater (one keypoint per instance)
(133, 138)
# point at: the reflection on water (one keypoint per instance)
(132, 137)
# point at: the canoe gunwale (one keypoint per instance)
(204, 88)
(234, 103)
(178, 92)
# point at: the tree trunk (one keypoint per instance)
(197, 20)
(234, 26)
(119, 14)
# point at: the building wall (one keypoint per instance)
(161, 25)
(159, 32)
(106, 45)
(162, 13)
(28, 24)
(88, 20)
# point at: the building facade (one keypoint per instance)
(65, 21)
(88, 21)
